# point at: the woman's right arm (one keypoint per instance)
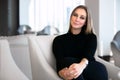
(57, 48)
(65, 74)
(62, 73)
(58, 53)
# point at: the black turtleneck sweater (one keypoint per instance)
(74, 46)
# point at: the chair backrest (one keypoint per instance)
(115, 47)
(117, 39)
(45, 44)
(42, 59)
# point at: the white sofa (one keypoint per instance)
(32, 55)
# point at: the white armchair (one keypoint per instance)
(8, 68)
(43, 61)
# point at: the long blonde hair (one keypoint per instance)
(88, 27)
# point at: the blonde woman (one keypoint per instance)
(74, 51)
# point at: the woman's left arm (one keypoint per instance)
(90, 47)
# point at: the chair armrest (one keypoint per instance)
(41, 70)
(113, 71)
(8, 68)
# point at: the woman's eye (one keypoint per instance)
(82, 17)
(75, 15)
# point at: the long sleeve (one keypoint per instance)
(57, 51)
(90, 47)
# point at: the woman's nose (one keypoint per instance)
(77, 19)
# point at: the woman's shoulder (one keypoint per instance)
(91, 36)
(60, 37)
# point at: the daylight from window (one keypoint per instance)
(53, 13)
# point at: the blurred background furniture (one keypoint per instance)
(48, 30)
(8, 68)
(25, 29)
(115, 47)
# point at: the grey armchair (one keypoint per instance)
(115, 47)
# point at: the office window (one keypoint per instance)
(54, 13)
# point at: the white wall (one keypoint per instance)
(118, 14)
(24, 11)
(106, 24)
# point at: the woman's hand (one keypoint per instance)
(76, 69)
(73, 71)
(64, 73)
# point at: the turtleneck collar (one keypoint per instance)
(70, 33)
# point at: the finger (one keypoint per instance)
(76, 76)
(72, 65)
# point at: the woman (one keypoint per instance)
(74, 51)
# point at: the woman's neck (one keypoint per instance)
(75, 31)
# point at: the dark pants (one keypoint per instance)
(94, 70)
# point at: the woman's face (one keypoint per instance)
(78, 18)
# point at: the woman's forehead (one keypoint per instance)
(80, 11)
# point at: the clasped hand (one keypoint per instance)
(73, 71)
